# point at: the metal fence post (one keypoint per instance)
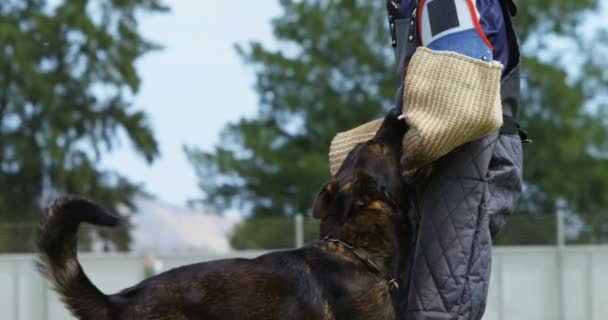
(561, 236)
(16, 290)
(561, 243)
(589, 286)
(499, 285)
(299, 230)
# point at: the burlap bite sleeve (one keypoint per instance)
(449, 100)
(344, 142)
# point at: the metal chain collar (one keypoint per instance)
(391, 282)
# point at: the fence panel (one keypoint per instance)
(599, 285)
(528, 283)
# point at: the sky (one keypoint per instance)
(193, 87)
(197, 84)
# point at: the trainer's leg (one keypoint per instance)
(451, 260)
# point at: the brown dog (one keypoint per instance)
(347, 275)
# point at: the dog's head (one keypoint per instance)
(368, 187)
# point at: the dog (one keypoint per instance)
(349, 273)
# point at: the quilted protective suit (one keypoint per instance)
(463, 201)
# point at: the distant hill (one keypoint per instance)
(165, 228)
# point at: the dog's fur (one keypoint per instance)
(361, 206)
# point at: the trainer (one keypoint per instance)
(459, 86)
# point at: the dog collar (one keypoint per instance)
(392, 283)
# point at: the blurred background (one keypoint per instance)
(206, 124)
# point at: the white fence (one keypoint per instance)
(528, 283)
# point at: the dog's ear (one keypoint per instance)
(322, 202)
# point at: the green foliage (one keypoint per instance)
(67, 78)
(528, 230)
(564, 109)
(334, 70)
(271, 233)
(333, 75)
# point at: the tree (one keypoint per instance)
(564, 110)
(67, 78)
(335, 71)
(336, 76)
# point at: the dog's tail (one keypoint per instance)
(58, 261)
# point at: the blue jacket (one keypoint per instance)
(491, 20)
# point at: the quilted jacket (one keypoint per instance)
(463, 202)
